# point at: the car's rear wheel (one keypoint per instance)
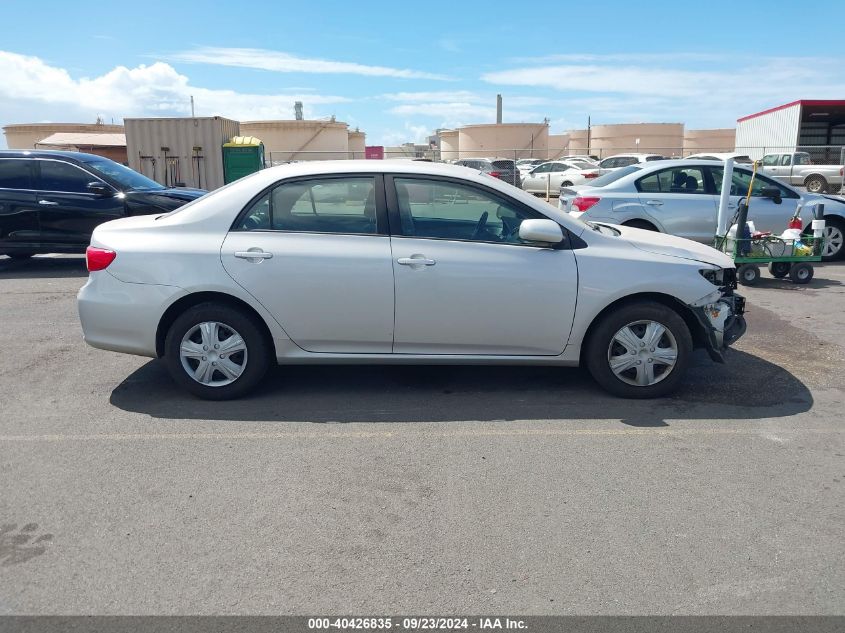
(640, 224)
(216, 351)
(641, 350)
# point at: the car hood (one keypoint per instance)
(183, 194)
(672, 246)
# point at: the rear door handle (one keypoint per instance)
(654, 203)
(253, 255)
(416, 260)
(48, 203)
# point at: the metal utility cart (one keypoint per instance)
(783, 256)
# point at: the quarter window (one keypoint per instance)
(57, 176)
(15, 174)
(677, 180)
(452, 211)
(328, 205)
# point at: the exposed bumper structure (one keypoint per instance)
(723, 324)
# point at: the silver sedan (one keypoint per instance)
(681, 197)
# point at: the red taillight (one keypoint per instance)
(582, 203)
(590, 174)
(98, 258)
(495, 174)
(842, 171)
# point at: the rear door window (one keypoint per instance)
(15, 173)
(674, 180)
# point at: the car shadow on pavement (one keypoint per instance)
(43, 267)
(746, 387)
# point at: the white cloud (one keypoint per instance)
(154, 90)
(707, 90)
(278, 61)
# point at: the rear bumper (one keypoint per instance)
(723, 323)
(123, 317)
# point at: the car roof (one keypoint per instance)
(49, 153)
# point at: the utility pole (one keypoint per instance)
(192, 106)
(589, 132)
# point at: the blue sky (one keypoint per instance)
(398, 70)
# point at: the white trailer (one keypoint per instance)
(183, 151)
(816, 127)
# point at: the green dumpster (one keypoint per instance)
(243, 155)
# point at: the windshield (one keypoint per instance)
(613, 176)
(128, 179)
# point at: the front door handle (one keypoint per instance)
(654, 203)
(415, 260)
(48, 203)
(254, 256)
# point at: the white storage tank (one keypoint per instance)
(295, 140)
(449, 149)
(654, 138)
(558, 145)
(578, 144)
(183, 151)
(357, 144)
(27, 135)
(505, 140)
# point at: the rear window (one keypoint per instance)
(15, 174)
(503, 164)
(613, 176)
(651, 158)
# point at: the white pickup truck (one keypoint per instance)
(797, 168)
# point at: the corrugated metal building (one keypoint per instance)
(185, 151)
(814, 126)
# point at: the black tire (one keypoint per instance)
(641, 224)
(598, 346)
(748, 274)
(258, 350)
(20, 255)
(816, 184)
(566, 184)
(779, 270)
(801, 273)
(836, 224)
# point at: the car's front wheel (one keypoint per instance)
(216, 351)
(641, 350)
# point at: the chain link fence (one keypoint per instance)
(818, 168)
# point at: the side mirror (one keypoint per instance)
(99, 188)
(547, 231)
(773, 193)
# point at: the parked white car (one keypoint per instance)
(723, 156)
(525, 165)
(618, 161)
(553, 175)
(365, 262)
(681, 197)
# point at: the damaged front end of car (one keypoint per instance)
(720, 313)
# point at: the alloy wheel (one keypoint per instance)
(642, 353)
(213, 354)
(833, 240)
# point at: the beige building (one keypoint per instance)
(287, 140)
(577, 142)
(108, 145)
(27, 135)
(558, 145)
(716, 140)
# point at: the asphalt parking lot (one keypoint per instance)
(421, 490)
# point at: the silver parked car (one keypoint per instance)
(370, 262)
(681, 197)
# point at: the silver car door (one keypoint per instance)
(766, 213)
(680, 202)
(465, 283)
(316, 254)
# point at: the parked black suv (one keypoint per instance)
(51, 201)
(501, 168)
